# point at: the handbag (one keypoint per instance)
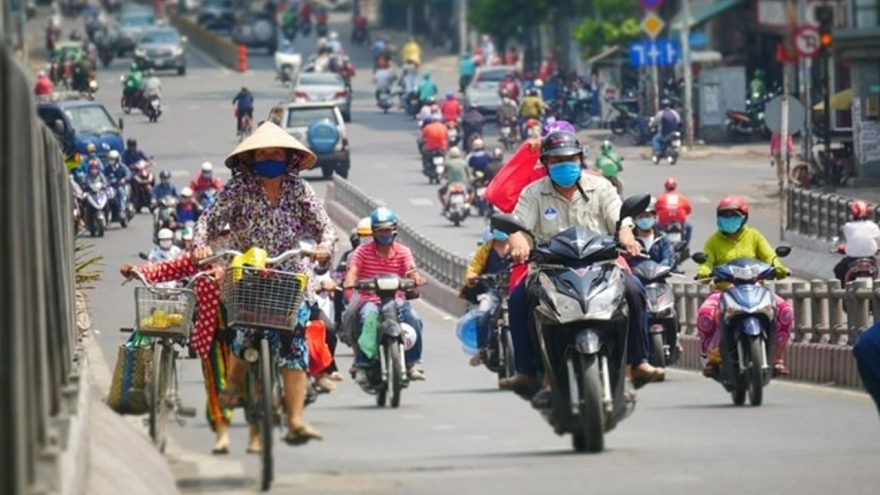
(131, 377)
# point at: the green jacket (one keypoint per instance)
(610, 164)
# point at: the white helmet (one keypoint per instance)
(186, 192)
(539, 83)
(207, 167)
(165, 235)
(334, 36)
(478, 144)
(113, 155)
(322, 42)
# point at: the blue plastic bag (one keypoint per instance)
(466, 331)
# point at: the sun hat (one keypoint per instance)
(269, 135)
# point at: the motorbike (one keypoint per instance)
(411, 104)
(305, 27)
(858, 269)
(387, 371)
(106, 54)
(627, 115)
(91, 88)
(581, 320)
(208, 197)
(321, 29)
(457, 205)
(507, 128)
(142, 185)
(499, 346)
(670, 146)
(454, 133)
(165, 214)
(76, 204)
(384, 100)
(479, 184)
(674, 232)
(359, 36)
(121, 210)
(662, 318)
(289, 31)
(747, 326)
(153, 108)
(95, 208)
(433, 165)
(287, 66)
(743, 126)
(135, 102)
(576, 107)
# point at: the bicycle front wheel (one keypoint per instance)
(163, 362)
(266, 410)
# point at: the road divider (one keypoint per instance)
(220, 49)
(828, 317)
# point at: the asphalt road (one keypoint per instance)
(454, 433)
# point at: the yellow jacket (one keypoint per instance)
(411, 51)
(751, 243)
(531, 106)
(477, 264)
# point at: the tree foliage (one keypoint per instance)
(505, 18)
(612, 22)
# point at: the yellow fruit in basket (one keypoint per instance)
(147, 322)
(175, 319)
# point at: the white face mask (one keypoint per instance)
(165, 244)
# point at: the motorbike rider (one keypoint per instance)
(456, 171)
(384, 256)
(290, 21)
(131, 155)
(472, 123)
(495, 165)
(427, 87)
(244, 105)
(384, 79)
(657, 246)
(359, 24)
(567, 198)
(188, 209)
(333, 42)
(118, 175)
(152, 86)
(867, 353)
(673, 206)
(411, 53)
(83, 70)
(757, 86)
(507, 112)
(451, 108)
(164, 249)
(409, 81)
(531, 107)
(429, 110)
(90, 155)
(610, 164)
(667, 121)
(734, 239)
(862, 238)
(164, 188)
(508, 85)
(466, 70)
(205, 180)
(435, 136)
(43, 86)
(488, 259)
(361, 234)
(478, 160)
(133, 86)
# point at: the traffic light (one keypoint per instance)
(825, 16)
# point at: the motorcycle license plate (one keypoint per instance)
(453, 135)
(676, 143)
(440, 169)
(154, 103)
(505, 131)
(438, 160)
(674, 236)
(457, 199)
(481, 191)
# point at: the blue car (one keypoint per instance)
(78, 122)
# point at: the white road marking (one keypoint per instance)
(476, 438)
(420, 202)
(413, 416)
(444, 427)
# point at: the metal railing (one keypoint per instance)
(818, 214)
(446, 267)
(41, 356)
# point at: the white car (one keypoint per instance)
(324, 87)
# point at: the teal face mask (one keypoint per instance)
(730, 225)
(499, 236)
(645, 223)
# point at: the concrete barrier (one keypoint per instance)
(220, 49)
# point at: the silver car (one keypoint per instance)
(132, 24)
(299, 118)
(483, 90)
(323, 87)
(161, 48)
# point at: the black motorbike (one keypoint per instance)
(674, 232)
(305, 27)
(387, 371)
(142, 185)
(433, 165)
(359, 36)
(96, 207)
(581, 320)
(499, 345)
(663, 324)
(321, 29)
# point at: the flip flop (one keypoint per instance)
(301, 435)
(230, 399)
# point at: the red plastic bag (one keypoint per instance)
(316, 342)
(522, 169)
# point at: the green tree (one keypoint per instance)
(613, 22)
(504, 18)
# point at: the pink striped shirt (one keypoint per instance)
(369, 262)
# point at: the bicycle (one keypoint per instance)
(263, 300)
(165, 315)
(247, 127)
(499, 349)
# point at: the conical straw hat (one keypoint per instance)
(269, 135)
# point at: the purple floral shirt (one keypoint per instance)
(253, 222)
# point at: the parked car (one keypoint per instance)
(483, 90)
(324, 87)
(161, 48)
(321, 127)
(132, 23)
(256, 30)
(78, 122)
(217, 14)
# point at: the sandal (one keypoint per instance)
(230, 399)
(779, 368)
(541, 400)
(301, 435)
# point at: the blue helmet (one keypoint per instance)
(383, 218)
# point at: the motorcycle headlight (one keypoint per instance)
(140, 52)
(602, 304)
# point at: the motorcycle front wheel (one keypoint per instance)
(591, 437)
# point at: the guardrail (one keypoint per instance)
(828, 317)
(42, 433)
(817, 214)
(220, 49)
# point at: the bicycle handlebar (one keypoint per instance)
(138, 275)
(269, 261)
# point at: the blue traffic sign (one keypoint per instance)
(651, 4)
(649, 53)
(698, 39)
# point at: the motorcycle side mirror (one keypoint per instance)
(142, 255)
(783, 251)
(700, 258)
(121, 124)
(508, 223)
(635, 205)
(59, 126)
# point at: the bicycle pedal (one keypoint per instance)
(187, 412)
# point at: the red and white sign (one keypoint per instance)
(806, 41)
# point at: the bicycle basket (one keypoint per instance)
(260, 298)
(164, 312)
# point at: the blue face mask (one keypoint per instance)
(730, 225)
(499, 236)
(565, 174)
(384, 240)
(270, 169)
(645, 223)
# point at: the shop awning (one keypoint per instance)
(604, 54)
(839, 101)
(702, 11)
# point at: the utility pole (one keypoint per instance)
(462, 26)
(688, 73)
(825, 16)
(22, 10)
(806, 86)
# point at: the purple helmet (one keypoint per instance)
(557, 125)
